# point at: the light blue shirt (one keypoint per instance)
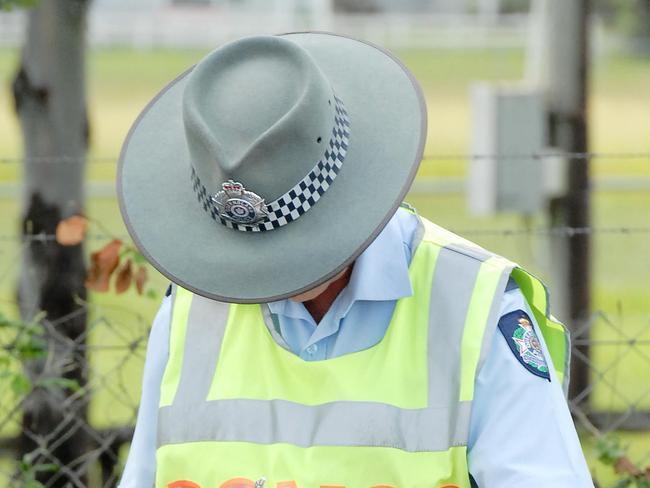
(521, 432)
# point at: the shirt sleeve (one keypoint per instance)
(521, 431)
(140, 469)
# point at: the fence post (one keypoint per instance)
(567, 41)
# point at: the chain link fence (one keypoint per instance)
(86, 389)
(84, 380)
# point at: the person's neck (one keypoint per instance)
(318, 307)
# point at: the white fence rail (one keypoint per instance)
(212, 25)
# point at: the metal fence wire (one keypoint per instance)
(105, 356)
(90, 380)
(110, 349)
(459, 157)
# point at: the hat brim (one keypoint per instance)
(387, 134)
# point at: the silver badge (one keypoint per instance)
(237, 204)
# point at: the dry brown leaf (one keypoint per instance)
(102, 265)
(97, 280)
(123, 280)
(108, 257)
(71, 231)
(624, 465)
(92, 276)
(140, 279)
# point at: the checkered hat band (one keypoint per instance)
(303, 195)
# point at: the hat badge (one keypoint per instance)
(237, 204)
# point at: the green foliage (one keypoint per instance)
(136, 256)
(20, 384)
(612, 453)
(622, 484)
(26, 343)
(56, 383)
(28, 470)
(8, 5)
(610, 450)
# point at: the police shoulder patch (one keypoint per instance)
(517, 329)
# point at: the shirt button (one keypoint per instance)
(311, 350)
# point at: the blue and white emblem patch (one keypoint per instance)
(517, 328)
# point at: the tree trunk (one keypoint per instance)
(49, 92)
(356, 6)
(568, 84)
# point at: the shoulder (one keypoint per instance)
(518, 328)
(512, 395)
(524, 342)
(439, 237)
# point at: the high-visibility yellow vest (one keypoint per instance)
(238, 410)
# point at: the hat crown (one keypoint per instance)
(258, 111)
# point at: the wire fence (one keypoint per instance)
(103, 358)
(89, 381)
(540, 156)
(564, 231)
(109, 354)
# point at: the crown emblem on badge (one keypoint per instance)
(235, 203)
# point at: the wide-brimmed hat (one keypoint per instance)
(268, 167)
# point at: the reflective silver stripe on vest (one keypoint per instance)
(330, 424)
(451, 293)
(475, 252)
(205, 329)
(483, 255)
(493, 317)
(444, 423)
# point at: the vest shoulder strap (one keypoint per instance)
(555, 335)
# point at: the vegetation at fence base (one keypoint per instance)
(29, 470)
(612, 453)
(26, 342)
(23, 343)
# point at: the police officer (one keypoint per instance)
(317, 334)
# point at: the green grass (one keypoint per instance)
(121, 82)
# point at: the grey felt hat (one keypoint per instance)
(269, 166)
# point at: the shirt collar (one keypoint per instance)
(380, 273)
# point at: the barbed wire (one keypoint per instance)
(58, 159)
(52, 237)
(554, 231)
(515, 231)
(617, 344)
(574, 156)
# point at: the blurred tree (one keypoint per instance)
(356, 6)
(50, 101)
(515, 6)
(630, 17)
